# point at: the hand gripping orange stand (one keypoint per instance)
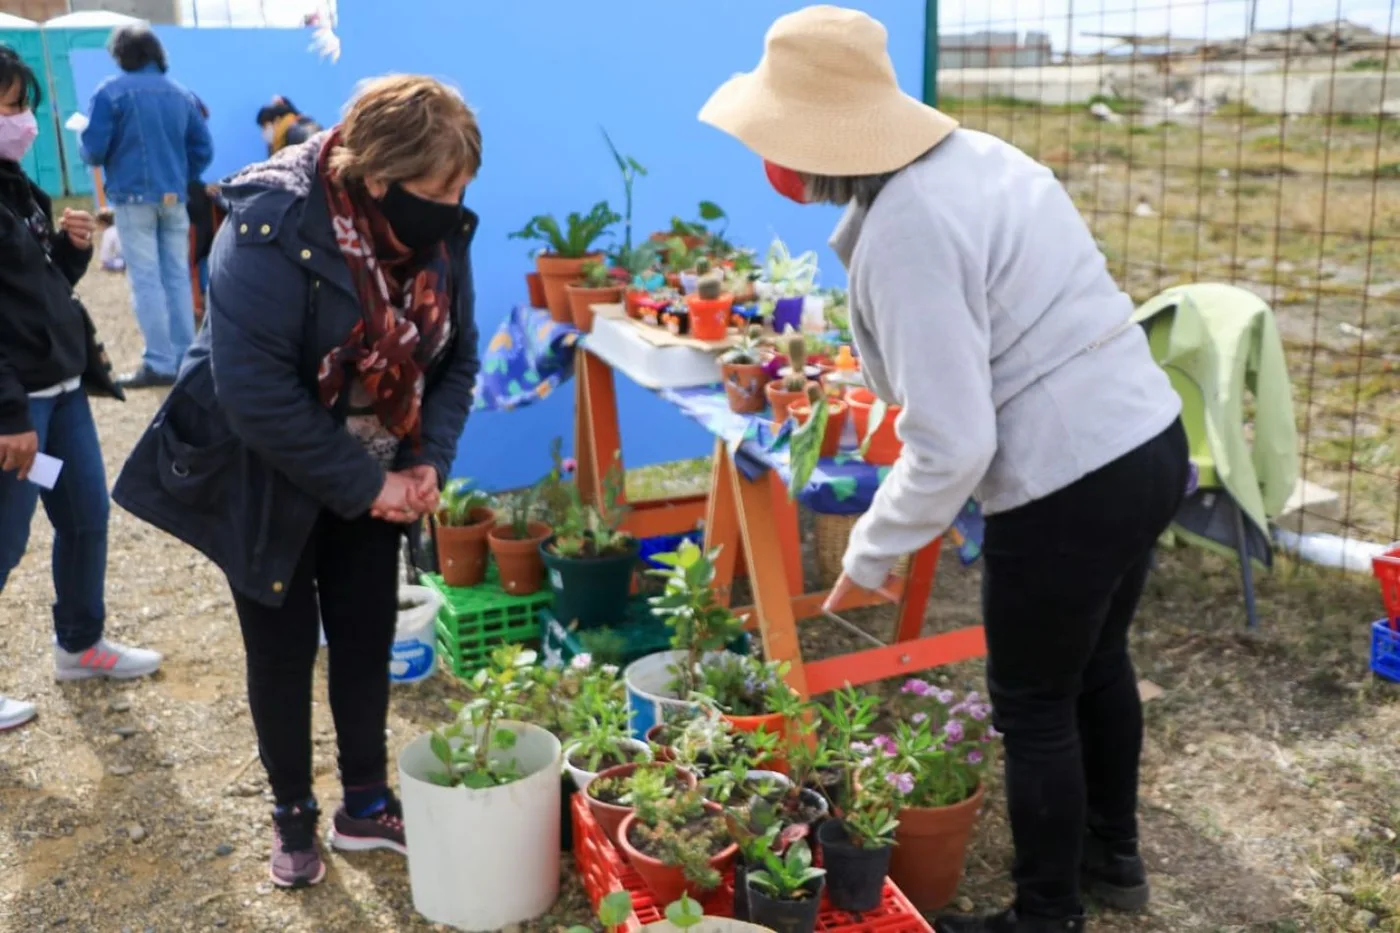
(754, 518)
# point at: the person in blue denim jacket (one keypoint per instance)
(150, 138)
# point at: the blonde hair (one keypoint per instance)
(402, 127)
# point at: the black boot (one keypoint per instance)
(1007, 922)
(1113, 874)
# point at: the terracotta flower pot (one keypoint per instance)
(582, 299)
(768, 722)
(884, 449)
(835, 422)
(927, 863)
(709, 319)
(781, 399)
(609, 816)
(632, 302)
(518, 559)
(558, 273)
(461, 549)
(667, 883)
(535, 288)
(659, 751)
(744, 384)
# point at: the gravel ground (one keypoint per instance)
(1270, 781)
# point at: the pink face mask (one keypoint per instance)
(17, 134)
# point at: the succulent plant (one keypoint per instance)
(747, 351)
(702, 266)
(710, 287)
(795, 378)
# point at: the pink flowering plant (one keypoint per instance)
(870, 798)
(942, 747)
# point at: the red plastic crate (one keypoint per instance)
(604, 871)
(1387, 570)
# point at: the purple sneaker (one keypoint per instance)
(382, 830)
(296, 856)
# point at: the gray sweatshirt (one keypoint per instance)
(982, 305)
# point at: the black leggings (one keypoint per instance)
(353, 566)
(1062, 581)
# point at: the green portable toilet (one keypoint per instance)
(86, 30)
(44, 163)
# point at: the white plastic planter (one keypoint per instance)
(413, 656)
(484, 859)
(647, 695)
(641, 752)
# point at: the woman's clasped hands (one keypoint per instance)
(407, 495)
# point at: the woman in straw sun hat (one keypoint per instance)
(981, 305)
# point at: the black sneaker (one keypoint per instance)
(1007, 922)
(145, 378)
(1113, 874)
(296, 856)
(381, 830)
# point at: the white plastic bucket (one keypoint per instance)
(413, 656)
(641, 751)
(484, 859)
(647, 695)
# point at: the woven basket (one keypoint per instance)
(833, 533)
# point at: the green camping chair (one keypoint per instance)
(1217, 343)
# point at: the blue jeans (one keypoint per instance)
(156, 247)
(77, 507)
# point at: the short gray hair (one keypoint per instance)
(843, 189)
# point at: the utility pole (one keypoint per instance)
(1253, 18)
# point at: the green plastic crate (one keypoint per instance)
(476, 620)
(643, 634)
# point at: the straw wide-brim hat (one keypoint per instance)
(824, 99)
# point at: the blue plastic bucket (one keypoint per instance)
(647, 696)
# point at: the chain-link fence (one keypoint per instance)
(1254, 142)
(257, 13)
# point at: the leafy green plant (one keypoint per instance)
(744, 685)
(787, 877)
(868, 793)
(576, 238)
(805, 444)
(942, 749)
(469, 748)
(631, 170)
(595, 531)
(747, 350)
(613, 911)
(681, 258)
(679, 832)
(595, 275)
(878, 412)
(805, 753)
(684, 913)
(594, 720)
(636, 261)
(789, 276)
(739, 779)
(553, 492)
(459, 499)
(520, 511)
(699, 622)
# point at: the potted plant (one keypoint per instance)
(748, 692)
(566, 249)
(516, 545)
(484, 776)
(784, 892)
(791, 386)
(709, 306)
(464, 519)
(612, 793)
(785, 285)
(857, 841)
(809, 762)
(693, 234)
(595, 722)
(413, 654)
(741, 368)
(680, 260)
(700, 625)
(942, 751)
(677, 842)
(743, 778)
(591, 560)
(836, 410)
(615, 909)
(596, 286)
(534, 289)
(874, 421)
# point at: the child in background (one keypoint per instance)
(111, 254)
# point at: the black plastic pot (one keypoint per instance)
(566, 814)
(855, 877)
(786, 916)
(741, 889)
(592, 591)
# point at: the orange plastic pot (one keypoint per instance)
(835, 422)
(609, 816)
(668, 883)
(632, 302)
(535, 288)
(557, 274)
(774, 723)
(582, 299)
(658, 751)
(930, 845)
(709, 318)
(885, 446)
(518, 560)
(744, 384)
(781, 399)
(461, 549)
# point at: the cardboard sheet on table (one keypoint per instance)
(660, 336)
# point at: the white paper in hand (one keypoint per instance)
(44, 472)
(77, 122)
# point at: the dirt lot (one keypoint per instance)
(1271, 785)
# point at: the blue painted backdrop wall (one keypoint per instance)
(544, 76)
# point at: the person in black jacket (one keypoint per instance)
(46, 350)
(283, 125)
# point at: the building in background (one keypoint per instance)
(988, 49)
(153, 11)
(39, 11)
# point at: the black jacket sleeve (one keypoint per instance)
(14, 401)
(70, 260)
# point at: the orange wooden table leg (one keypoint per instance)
(758, 526)
(791, 540)
(918, 585)
(602, 437)
(722, 524)
(587, 469)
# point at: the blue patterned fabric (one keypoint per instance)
(527, 359)
(840, 485)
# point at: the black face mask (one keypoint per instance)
(418, 222)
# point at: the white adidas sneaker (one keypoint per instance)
(107, 658)
(14, 713)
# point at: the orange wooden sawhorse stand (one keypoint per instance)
(753, 517)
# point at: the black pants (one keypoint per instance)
(1062, 581)
(347, 580)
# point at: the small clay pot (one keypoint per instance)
(558, 274)
(518, 559)
(709, 318)
(781, 399)
(744, 384)
(582, 299)
(535, 288)
(885, 447)
(461, 549)
(835, 422)
(632, 302)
